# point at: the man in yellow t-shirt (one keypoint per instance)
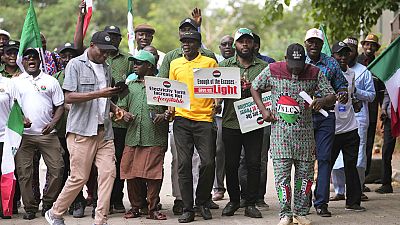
(194, 128)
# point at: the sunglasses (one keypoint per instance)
(33, 55)
(138, 62)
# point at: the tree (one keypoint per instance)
(341, 17)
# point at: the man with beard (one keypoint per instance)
(193, 128)
(347, 140)
(226, 49)
(250, 66)
(9, 58)
(120, 67)
(324, 127)
(87, 87)
(291, 119)
(365, 92)
(41, 99)
(370, 45)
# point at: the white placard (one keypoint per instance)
(162, 91)
(250, 118)
(218, 82)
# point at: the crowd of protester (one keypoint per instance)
(88, 135)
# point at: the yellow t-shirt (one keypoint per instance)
(182, 70)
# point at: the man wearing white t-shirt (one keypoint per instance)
(347, 139)
(41, 99)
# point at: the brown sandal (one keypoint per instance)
(156, 215)
(132, 213)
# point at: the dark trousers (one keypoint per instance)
(262, 189)
(136, 192)
(349, 143)
(324, 132)
(370, 145)
(119, 142)
(387, 151)
(202, 135)
(251, 142)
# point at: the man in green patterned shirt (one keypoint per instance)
(292, 132)
(120, 67)
(146, 141)
(250, 66)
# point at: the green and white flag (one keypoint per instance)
(12, 140)
(326, 49)
(30, 36)
(131, 33)
(387, 68)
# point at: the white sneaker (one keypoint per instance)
(301, 220)
(52, 220)
(286, 220)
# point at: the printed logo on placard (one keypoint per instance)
(288, 109)
(260, 120)
(167, 84)
(216, 73)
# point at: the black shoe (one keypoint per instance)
(323, 211)
(366, 189)
(230, 209)
(212, 205)
(29, 216)
(356, 208)
(384, 189)
(205, 212)
(186, 217)
(79, 209)
(252, 211)
(177, 209)
(45, 209)
(4, 217)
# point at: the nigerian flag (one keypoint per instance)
(30, 36)
(387, 68)
(325, 48)
(131, 33)
(12, 140)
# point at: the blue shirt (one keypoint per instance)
(265, 58)
(331, 69)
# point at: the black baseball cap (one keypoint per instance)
(66, 46)
(339, 46)
(191, 35)
(102, 40)
(30, 50)
(295, 55)
(11, 45)
(112, 30)
(189, 21)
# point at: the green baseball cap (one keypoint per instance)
(143, 55)
(243, 31)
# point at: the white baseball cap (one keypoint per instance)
(314, 33)
(4, 32)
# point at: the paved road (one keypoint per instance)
(381, 209)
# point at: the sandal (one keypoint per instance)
(132, 213)
(156, 215)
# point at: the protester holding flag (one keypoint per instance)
(324, 127)
(291, 120)
(41, 99)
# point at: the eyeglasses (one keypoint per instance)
(138, 62)
(228, 44)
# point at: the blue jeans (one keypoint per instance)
(324, 132)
